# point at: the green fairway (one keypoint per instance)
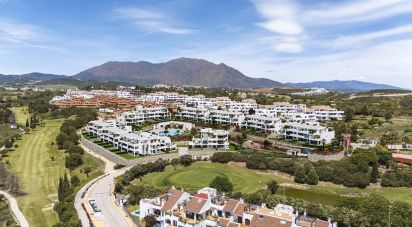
(37, 172)
(22, 114)
(201, 174)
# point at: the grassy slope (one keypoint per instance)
(400, 125)
(38, 174)
(22, 114)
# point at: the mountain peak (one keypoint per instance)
(180, 71)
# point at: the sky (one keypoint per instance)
(283, 40)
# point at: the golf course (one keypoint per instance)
(246, 180)
(39, 164)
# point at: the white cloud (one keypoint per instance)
(16, 32)
(356, 11)
(280, 17)
(288, 47)
(286, 27)
(366, 37)
(150, 21)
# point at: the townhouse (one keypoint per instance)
(141, 114)
(211, 138)
(326, 113)
(262, 123)
(310, 132)
(207, 208)
(243, 106)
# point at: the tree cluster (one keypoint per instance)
(64, 207)
(8, 180)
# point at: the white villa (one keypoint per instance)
(141, 114)
(207, 208)
(311, 132)
(210, 138)
(193, 113)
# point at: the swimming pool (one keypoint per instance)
(136, 213)
(168, 132)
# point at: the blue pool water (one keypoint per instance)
(168, 132)
(137, 213)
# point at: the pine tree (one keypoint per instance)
(311, 175)
(300, 174)
(375, 173)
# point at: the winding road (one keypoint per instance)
(15, 210)
(100, 190)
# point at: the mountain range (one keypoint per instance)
(178, 72)
(182, 72)
(343, 85)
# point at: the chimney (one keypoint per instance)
(263, 205)
(173, 187)
(241, 200)
(304, 212)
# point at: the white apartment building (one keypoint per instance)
(285, 107)
(95, 128)
(141, 114)
(207, 208)
(299, 117)
(227, 117)
(193, 113)
(144, 143)
(243, 106)
(269, 112)
(311, 132)
(112, 135)
(262, 123)
(210, 138)
(327, 113)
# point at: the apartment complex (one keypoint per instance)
(211, 138)
(311, 132)
(141, 114)
(207, 208)
(141, 143)
(326, 113)
(262, 123)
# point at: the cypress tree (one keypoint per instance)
(27, 123)
(375, 173)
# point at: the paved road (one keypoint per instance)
(100, 190)
(15, 210)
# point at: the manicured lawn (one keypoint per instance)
(245, 180)
(201, 174)
(39, 175)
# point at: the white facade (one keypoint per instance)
(141, 143)
(144, 143)
(312, 132)
(285, 107)
(193, 113)
(227, 117)
(326, 113)
(262, 123)
(141, 114)
(210, 138)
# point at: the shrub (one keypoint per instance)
(73, 161)
(222, 184)
(222, 157)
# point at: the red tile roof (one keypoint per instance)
(172, 199)
(195, 205)
(259, 220)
